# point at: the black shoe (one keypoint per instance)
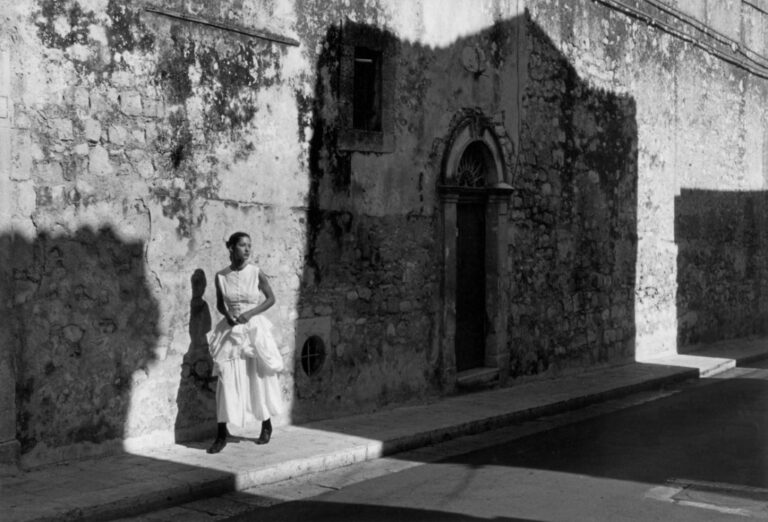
(266, 432)
(217, 445)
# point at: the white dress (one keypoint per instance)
(245, 356)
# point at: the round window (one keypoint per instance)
(312, 355)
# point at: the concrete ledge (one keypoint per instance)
(477, 377)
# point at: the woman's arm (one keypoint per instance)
(265, 305)
(220, 304)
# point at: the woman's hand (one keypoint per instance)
(241, 319)
(231, 320)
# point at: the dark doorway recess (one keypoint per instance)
(470, 284)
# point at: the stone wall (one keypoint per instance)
(573, 228)
(139, 141)
(722, 288)
(699, 120)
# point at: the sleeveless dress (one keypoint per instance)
(245, 356)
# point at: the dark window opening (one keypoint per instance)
(475, 161)
(366, 99)
(312, 355)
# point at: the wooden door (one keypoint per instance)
(470, 285)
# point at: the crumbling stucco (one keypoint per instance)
(139, 141)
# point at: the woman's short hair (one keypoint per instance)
(234, 238)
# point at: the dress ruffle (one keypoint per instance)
(253, 339)
(246, 360)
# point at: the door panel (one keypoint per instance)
(470, 286)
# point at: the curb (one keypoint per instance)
(219, 483)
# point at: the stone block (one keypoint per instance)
(63, 129)
(99, 102)
(154, 108)
(117, 134)
(123, 78)
(82, 98)
(99, 163)
(26, 198)
(50, 172)
(92, 130)
(130, 103)
(145, 168)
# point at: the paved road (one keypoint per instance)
(697, 452)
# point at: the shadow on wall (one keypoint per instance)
(573, 243)
(376, 280)
(722, 265)
(87, 319)
(85, 332)
(196, 398)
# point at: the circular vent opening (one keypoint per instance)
(312, 355)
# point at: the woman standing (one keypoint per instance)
(245, 355)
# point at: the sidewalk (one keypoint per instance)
(130, 484)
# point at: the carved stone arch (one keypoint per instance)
(475, 135)
(468, 126)
(477, 141)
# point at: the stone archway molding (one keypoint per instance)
(467, 127)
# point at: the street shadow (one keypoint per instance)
(317, 510)
(713, 433)
(722, 265)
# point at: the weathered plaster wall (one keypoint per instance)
(573, 224)
(700, 125)
(139, 142)
(373, 249)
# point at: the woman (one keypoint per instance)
(245, 355)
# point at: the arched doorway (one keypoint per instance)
(474, 200)
(471, 317)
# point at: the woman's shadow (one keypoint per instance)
(196, 398)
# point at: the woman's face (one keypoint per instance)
(241, 251)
